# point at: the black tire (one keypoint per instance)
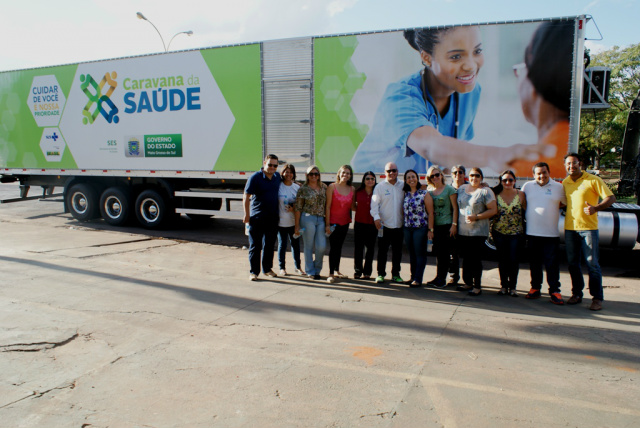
(115, 206)
(82, 202)
(151, 209)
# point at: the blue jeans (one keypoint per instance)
(584, 244)
(262, 238)
(416, 240)
(285, 235)
(315, 242)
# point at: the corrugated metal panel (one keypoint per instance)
(287, 74)
(287, 59)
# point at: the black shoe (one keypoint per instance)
(437, 283)
(317, 277)
(502, 292)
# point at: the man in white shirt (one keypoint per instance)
(386, 210)
(544, 198)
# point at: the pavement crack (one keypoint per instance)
(39, 394)
(36, 346)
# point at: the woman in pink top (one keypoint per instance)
(340, 201)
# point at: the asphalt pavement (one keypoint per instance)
(107, 327)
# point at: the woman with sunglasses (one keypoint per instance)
(364, 229)
(476, 205)
(445, 211)
(340, 200)
(286, 226)
(508, 231)
(310, 212)
(418, 225)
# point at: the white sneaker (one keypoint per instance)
(271, 274)
(283, 272)
(299, 272)
(331, 279)
(253, 277)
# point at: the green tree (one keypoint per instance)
(601, 131)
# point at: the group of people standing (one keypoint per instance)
(455, 220)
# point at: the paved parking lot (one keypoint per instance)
(121, 327)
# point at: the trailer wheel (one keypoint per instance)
(115, 206)
(82, 201)
(151, 209)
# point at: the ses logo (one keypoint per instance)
(148, 95)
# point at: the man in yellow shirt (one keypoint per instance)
(584, 192)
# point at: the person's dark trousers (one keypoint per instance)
(472, 249)
(364, 237)
(336, 239)
(442, 243)
(508, 247)
(543, 251)
(416, 240)
(584, 244)
(285, 235)
(454, 261)
(262, 239)
(390, 238)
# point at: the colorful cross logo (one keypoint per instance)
(93, 91)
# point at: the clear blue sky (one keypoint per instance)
(44, 32)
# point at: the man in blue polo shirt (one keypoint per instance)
(261, 214)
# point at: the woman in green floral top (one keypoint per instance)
(309, 212)
(508, 231)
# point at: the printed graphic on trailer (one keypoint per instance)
(159, 146)
(112, 107)
(495, 96)
(46, 100)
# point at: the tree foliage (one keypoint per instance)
(603, 130)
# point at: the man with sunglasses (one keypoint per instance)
(387, 213)
(544, 199)
(261, 216)
(457, 179)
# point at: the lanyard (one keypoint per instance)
(427, 99)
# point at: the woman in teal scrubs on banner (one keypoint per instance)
(427, 117)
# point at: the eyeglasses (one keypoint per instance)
(390, 171)
(272, 165)
(435, 175)
(508, 180)
(370, 178)
(457, 172)
(474, 175)
(519, 69)
(314, 174)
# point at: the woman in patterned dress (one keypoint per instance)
(418, 225)
(508, 231)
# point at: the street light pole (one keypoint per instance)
(141, 16)
(188, 33)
